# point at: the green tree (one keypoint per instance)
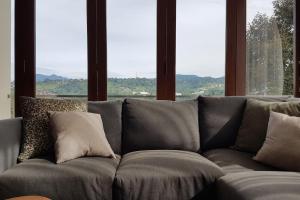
(264, 57)
(270, 51)
(283, 13)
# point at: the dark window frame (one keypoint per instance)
(235, 67)
(166, 49)
(97, 50)
(235, 64)
(24, 51)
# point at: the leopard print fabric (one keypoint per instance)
(36, 140)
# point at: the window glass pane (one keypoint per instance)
(270, 47)
(131, 48)
(200, 64)
(61, 48)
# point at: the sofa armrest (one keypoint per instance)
(10, 139)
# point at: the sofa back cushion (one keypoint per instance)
(219, 120)
(151, 125)
(111, 114)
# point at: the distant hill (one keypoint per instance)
(185, 85)
(53, 77)
(180, 77)
(192, 84)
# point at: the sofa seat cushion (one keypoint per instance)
(83, 178)
(164, 174)
(256, 185)
(235, 161)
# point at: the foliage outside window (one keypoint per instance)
(270, 50)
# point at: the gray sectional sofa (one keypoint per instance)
(148, 167)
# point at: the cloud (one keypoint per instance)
(254, 6)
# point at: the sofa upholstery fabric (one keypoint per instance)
(111, 114)
(84, 178)
(259, 186)
(232, 161)
(154, 125)
(164, 175)
(219, 120)
(10, 140)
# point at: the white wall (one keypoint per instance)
(5, 53)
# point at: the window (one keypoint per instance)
(270, 47)
(259, 64)
(200, 64)
(131, 40)
(61, 48)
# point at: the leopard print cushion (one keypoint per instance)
(36, 140)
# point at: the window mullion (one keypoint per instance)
(97, 50)
(166, 49)
(24, 50)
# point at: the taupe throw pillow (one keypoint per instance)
(253, 129)
(36, 140)
(281, 147)
(78, 134)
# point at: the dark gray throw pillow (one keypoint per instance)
(151, 125)
(111, 114)
(219, 120)
(253, 130)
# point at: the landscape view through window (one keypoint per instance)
(131, 48)
(61, 48)
(200, 50)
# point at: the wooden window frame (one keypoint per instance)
(235, 65)
(166, 49)
(97, 50)
(24, 51)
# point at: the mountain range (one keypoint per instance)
(186, 85)
(53, 77)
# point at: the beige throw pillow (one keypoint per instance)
(281, 147)
(78, 134)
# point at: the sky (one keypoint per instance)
(61, 38)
